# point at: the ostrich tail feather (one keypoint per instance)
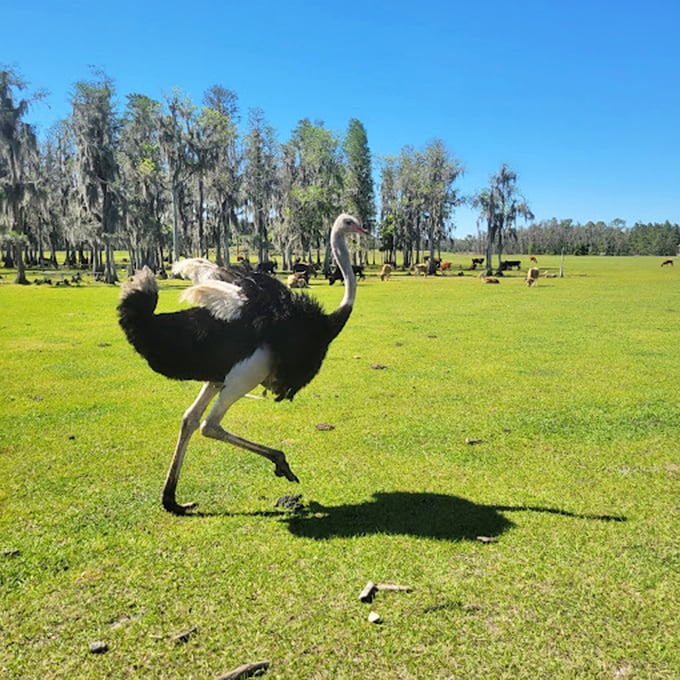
(138, 300)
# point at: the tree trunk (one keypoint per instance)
(202, 241)
(227, 240)
(489, 255)
(176, 240)
(432, 264)
(110, 275)
(21, 267)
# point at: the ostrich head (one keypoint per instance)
(346, 224)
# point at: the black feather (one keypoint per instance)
(193, 345)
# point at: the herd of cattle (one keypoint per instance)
(302, 272)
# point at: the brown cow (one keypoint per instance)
(532, 276)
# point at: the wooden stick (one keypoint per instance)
(245, 671)
(393, 587)
(366, 595)
(184, 635)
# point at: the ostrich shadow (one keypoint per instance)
(425, 515)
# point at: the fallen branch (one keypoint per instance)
(366, 595)
(394, 587)
(245, 671)
(183, 636)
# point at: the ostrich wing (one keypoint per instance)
(223, 300)
(198, 270)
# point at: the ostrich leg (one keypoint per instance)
(190, 422)
(244, 377)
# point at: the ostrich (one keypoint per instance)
(246, 329)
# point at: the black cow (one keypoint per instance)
(336, 275)
(266, 267)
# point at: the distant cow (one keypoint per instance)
(445, 267)
(336, 275)
(507, 265)
(533, 260)
(532, 276)
(385, 272)
(304, 268)
(266, 267)
(297, 280)
(665, 262)
(477, 261)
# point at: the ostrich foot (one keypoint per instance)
(282, 469)
(171, 505)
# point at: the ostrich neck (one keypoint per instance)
(339, 317)
(341, 253)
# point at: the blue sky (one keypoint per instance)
(581, 98)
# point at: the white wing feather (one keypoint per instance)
(197, 269)
(223, 300)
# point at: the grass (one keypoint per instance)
(569, 389)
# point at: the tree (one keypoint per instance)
(314, 183)
(358, 190)
(260, 176)
(220, 115)
(54, 194)
(440, 198)
(388, 201)
(500, 206)
(18, 165)
(402, 211)
(142, 182)
(63, 203)
(95, 129)
(418, 199)
(179, 161)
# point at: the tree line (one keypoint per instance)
(554, 237)
(165, 179)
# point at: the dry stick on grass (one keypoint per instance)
(245, 671)
(366, 595)
(370, 589)
(394, 587)
(184, 636)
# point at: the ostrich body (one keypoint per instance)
(247, 329)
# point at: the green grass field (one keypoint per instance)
(569, 392)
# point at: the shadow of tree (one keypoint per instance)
(426, 515)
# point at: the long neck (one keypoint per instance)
(341, 253)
